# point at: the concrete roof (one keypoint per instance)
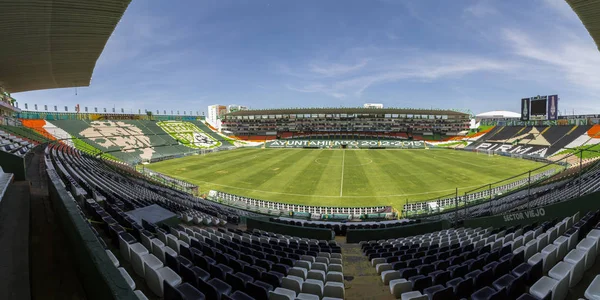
(53, 43)
(589, 14)
(498, 114)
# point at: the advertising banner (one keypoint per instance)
(525, 109)
(552, 107)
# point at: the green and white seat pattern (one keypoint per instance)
(189, 134)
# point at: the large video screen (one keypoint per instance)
(538, 107)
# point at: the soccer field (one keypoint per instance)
(342, 177)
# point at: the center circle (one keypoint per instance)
(345, 164)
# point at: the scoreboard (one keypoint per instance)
(539, 108)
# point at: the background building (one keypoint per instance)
(373, 105)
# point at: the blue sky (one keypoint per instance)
(468, 54)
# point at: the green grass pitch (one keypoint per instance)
(343, 177)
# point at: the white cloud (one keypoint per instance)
(481, 9)
(332, 70)
(561, 7)
(348, 79)
(575, 60)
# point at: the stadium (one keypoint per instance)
(326, 203)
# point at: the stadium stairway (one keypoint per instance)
(14, 238)
(47, 251)
(361, 280)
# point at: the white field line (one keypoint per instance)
(330, 196)
(342, 181)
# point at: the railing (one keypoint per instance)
(248, 203)
(523, 190)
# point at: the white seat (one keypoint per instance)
(562, 246)
(528, 236)
(593, 290)
(387, 276)
(303, 264)
(309, 258)
(298, 272)
(561, 270)
(304, 296)
(561, 273)
(334, 290)
(161, 236)
(337, 261)
(293, 283)
(552, 234)
(316, 274)
(399, 286)
(139, 263)
(127, 278)
(545, 286)
(137, 249)
(414, 295)
(113, 258)
(542, 241)
(320, 266)
(334, 276)
(282, 294)
(146, 241)
(530, 249)
(573, 239)
(377, 260)
(314, 287)
(156, 277)
(588, 245)
(124, 248)
(336, 255)
(140, 295)
(184, 237)
(173, 242)
(383, 267)
(156, 245)
(550, 256)
(577, 259)
(517, 242)
(324, 260)
(336, 268)
(595, 234)
(324, 254)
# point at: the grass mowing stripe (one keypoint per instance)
(342, 178)
(371, 177)
(248, 174)
(286, 172)
(357, 182)
(329, 179)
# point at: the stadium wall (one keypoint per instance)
(559, 210)
(300, 231)
(358, 235)
(100, 279)
(11, 163)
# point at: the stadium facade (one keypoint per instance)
(385, 122)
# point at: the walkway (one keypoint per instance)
(14, 241)
(361, 279)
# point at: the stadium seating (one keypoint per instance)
(340, 228)
(489, 263)
(13, 144)
(186, 260)
(131, 141)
